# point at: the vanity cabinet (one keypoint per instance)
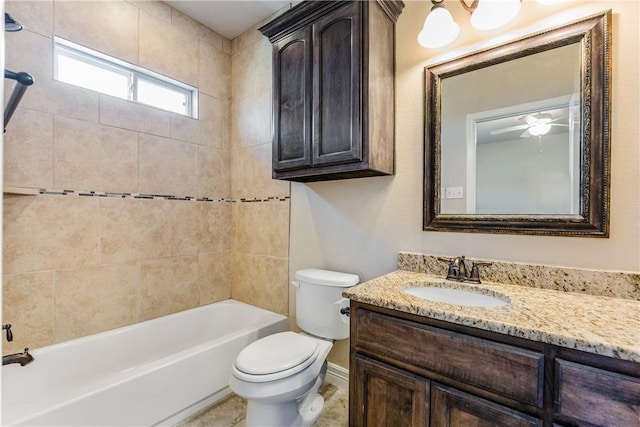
(408, 370)
(333, 89)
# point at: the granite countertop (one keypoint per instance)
(595, 324)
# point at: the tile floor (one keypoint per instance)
(230, 411)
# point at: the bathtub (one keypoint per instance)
(152, 373)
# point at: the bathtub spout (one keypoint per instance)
(22, 358)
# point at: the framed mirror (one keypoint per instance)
(517, 136)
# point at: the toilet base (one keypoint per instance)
(301, 412)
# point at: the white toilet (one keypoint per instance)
(279, 375)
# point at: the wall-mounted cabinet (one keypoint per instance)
(334, 89)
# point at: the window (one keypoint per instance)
(80, 66)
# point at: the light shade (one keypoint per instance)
(492, 14)
(540, 128)
(439, 29)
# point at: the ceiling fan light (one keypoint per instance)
(492, 14)
(439, 29)
(540, 128)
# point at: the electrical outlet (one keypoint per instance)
(453, 193)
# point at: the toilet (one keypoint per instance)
(280, 374)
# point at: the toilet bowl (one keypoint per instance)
(280, 375)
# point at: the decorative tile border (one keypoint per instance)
(594, 282)
(148, 196)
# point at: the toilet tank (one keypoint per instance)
(319, 300)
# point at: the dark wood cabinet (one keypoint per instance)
(435, 373)
(454, 408)
(592, 396)
(389, 396)
(334, 89)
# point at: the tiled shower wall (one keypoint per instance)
(79, 262)
(261, 229)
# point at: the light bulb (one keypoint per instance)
(439, 29)
(492, 14)
(540, 128)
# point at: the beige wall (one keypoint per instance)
(360, 225)
(76, 265)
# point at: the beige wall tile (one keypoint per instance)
(250, 225)
(92, 300)
(251, 121)
(261, 281)
(168, 166)
(214, 73)
(208, 129)
(168, 285)
(89, 156)
(214, 173)
(195, 29)
(261, 228)
(167, 50)
(49, 232)
(186, 226)
(277, 227)
(28, 147)
(129, 115)
(251, 69)
(158, 9)
(110, 27)
(32, 52)
(36, 16)
(215, 232)
(251, 174)
(227, 46)
(198, 227)
(27, 303)
(214, 276)
(134, 229)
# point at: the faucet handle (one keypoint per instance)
(7, 327)
(475, 271)
(453, 272)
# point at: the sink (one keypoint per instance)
(455, 296)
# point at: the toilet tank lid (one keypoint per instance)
(327, 277)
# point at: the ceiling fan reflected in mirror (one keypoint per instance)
(537, 124)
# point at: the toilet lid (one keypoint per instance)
(276, 353)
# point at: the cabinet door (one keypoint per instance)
(592, 396)
(453, 408)
(292, 86)
(337, 86)
(386, 396)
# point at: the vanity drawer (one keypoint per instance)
(596, 396)
(499, 368)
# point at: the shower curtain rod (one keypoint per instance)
(23, 81)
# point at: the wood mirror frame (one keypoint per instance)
(594, 35)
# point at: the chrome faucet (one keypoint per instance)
(23, 358)
(459, 271)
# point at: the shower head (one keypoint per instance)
(11, 24)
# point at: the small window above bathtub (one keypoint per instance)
(84, 67)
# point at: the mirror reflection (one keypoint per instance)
(511, 137)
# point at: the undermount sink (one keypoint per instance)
(455, 296)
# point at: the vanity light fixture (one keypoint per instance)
(440, 29)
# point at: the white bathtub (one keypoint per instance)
(150, 373)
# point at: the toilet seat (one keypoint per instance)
(275, 357)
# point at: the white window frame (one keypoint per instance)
(133, 72)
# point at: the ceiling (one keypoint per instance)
(229, 18)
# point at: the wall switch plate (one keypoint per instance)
(453, 193)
